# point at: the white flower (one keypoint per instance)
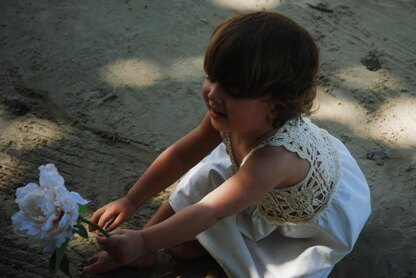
(47, 212)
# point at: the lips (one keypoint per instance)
(216, 113)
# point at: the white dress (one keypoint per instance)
(299, 231)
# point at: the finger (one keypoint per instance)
(89, 265)
(108, 225)
(115, 222)
(95, 217)
(105, 217)
(97, 214)
(107, 243)
(88, 269)
(92, 260)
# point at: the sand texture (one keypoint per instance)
(100, 88)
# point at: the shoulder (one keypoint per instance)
(276, 167)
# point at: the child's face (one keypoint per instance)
(231, 114)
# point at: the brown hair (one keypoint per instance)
(265, 54)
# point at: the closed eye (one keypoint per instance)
(229, 90)
(212, 80)
(232, 91)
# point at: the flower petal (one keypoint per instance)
(49, 176)
(47, 212)
(77, 198)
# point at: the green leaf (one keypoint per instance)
(60, 252)
(52, 265)
(82, 208)
(64, 266)
(81, 231)
(56, 259)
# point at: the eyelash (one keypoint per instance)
(227, 90)
(210, 79)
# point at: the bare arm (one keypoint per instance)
(165, 170)
(174, 162)
(249, 184)
(254, 180)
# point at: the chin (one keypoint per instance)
(218, 126)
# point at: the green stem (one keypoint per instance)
(104, 232)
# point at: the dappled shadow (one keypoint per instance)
(68, 96)
(391, 220)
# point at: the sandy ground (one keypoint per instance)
(101, 87)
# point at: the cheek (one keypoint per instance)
(204, 93)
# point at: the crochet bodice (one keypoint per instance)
(303, 201)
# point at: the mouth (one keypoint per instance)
(215, 113)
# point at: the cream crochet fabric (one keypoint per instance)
(303, 201)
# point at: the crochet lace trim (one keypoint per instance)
(304, 201)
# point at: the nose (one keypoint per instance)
(215, 93)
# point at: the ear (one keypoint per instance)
(274, 113)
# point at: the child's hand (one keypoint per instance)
(113, 214)
(123, 245)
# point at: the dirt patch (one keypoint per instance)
(101, 88)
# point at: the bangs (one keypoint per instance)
(228, 59)
(265, 54)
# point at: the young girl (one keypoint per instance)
(265, 191)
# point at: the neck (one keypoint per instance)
(249, 141)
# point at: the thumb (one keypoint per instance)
(107, 242)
